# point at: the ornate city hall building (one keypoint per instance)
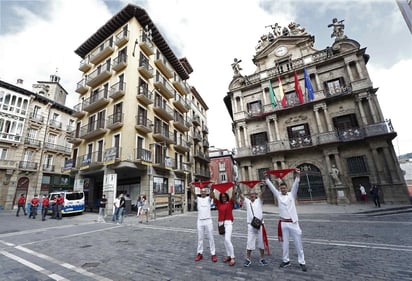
(316, 110)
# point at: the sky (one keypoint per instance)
(38, 38)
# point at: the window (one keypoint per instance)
(299, 135)
(335, 87)
(179, 187)
(357, 164)
(254, 108)
(116, 143)
(223, 177)
(160, 185)
(48, 162)
(3, 153)
(222, 166)
(51, 138)
(261, 173)
(292, 98)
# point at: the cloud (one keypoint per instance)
(210, 34)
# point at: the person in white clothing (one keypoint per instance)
(288, 222)
(254, 208)
(362, 192)
(204, 224)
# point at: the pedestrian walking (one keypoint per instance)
(34, 203)
(204, 224)
(102, 209)
(116, 205)
(122, 205)
(60, 205)
(224, 206)
(21, 204)
(362, 192)
(44, 207)
(144, 212)
(288, 223)
(375, 195)
(53, 203)
(254, 208)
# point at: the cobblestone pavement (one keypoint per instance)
(338, 246)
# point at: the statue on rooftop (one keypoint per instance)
(338, 29)
(296, 29)
(236, 67)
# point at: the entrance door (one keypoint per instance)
(311, 186)
(355, 184)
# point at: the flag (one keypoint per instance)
(308, 85)
(272, 95)
(282, 94)
(223, 187)
(251, 184)
(298, 90)
(280, 173)
(201, 184)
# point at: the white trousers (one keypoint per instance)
(230, 252)
(205, 226)
(293, 230)
(254, 235)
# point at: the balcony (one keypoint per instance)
(145, 43)
(180, 103)
(205, 173)
(36, 118)
(115, 121)
(48, 168)
(8, 165)
(81, 87)
(181, 146)
(57, 148)
(33, 143)
(55, 124)
(163, 86)
(96, 101)
(201, 156)
(119, 63)
(95, 159)
(163, 65)
(102, 52)
(145, 69)
(196, 120)
(118, 90)
(28, 166)
(180, 123)
(143, 155)
(164, 162)
(121, 38)
(205, 129)
(13, 138)
(160, 134)
(180, 85)
(205, 143)
(197, 137)
(163, 110)
(143, 95)
(93, 130)
(78, 111)
(74, 137)
(85, 65)
(99, 75)
(143, 125)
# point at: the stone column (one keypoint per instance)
(268, 121)
(328, 121)
(362, 112)
(372, 109)
(318, 122)
(347, 66)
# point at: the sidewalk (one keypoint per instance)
(325, 208)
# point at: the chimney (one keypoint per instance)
(19, 81)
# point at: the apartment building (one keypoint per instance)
(222, 165)
(34, 144)
(141, 128)
(316, 110)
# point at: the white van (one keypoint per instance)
(73, 201)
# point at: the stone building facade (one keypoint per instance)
(316, 110)
(34, 145)
(141, 128)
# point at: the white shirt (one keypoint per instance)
(287, 207)
(257, 206)
(116, 202)
(362, 190)
(203, 208)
